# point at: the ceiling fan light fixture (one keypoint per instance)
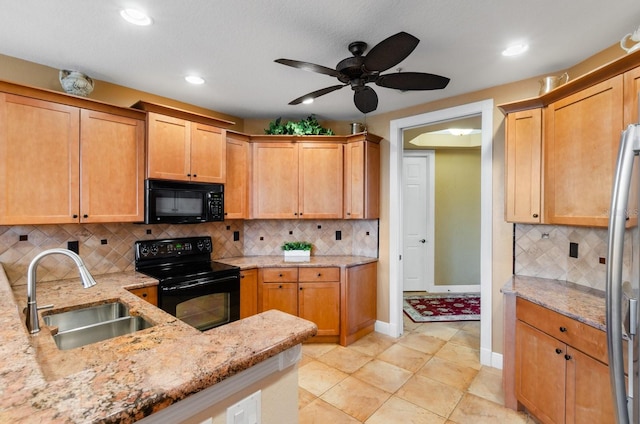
(194, 79)
(515, 49)
(136, 17)
(307, 101)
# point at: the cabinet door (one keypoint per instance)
(320, 180)
(582, 135)
(248, 292)
(208, 154)
(168, 154)
(39, 161)
(589, 396)
(320, 304)
(112, 163)
(281, 296)
(362, 180)
(359, 302)
(275, 180)
(540, 373)
(150, 294)
(236, 190)
(522, 168)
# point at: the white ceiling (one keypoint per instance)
(233, 43)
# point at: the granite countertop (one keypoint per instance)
(129, 377)
(581, 303)
(248, 262)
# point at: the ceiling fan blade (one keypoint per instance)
(412, 81)
(366, 100)
(389, 52)
(312, 67)
(317, 93)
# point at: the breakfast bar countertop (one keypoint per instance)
(581, 303)
(129, 377)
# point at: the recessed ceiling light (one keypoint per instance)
(194, 79)
(135, 17)
(515, 50)
(307, 101)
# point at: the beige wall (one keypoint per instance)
(457, 217)
(37, 75)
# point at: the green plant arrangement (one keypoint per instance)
(296, 245)
(308, 126)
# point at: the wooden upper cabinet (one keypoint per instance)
(112, 164)
(208, 154)
(182, 150)
(320, 180)
(582, 134)
(39, 171)
(236, 190)
(275, 180)
(523, 153)
(362, 180)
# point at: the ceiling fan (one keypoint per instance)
(359, 70)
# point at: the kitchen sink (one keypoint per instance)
(92, 324)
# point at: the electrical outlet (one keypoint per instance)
(573, 250)
(247, 411)
(338, 235)
(73, 246)
(236, 235)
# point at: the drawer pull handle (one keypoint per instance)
(563, 329)
(567, 357)
(535, 215)
(558, 351)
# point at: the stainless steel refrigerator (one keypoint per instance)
(622, 294)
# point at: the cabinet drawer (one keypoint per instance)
(319, 274)
(583, 337)
(279, 275)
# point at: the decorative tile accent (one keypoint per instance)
(543, 251)
(117, 254)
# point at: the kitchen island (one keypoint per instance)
(127, 378)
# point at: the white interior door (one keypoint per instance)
(418, 209)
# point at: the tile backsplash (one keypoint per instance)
(108, 248)
(543, 251)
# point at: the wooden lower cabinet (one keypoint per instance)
(150, 294)
(554, 380)
(340, 301)
(248, 292)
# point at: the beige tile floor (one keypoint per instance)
(430, 375)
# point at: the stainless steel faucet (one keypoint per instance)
(33, 325)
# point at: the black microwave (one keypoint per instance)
(173, 202)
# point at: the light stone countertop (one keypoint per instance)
(248, 262)
(129, 377)
(581, 303)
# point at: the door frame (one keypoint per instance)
(429, 155)
(483, 108)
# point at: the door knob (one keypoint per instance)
(422, 241)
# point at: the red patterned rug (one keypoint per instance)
(443, 307)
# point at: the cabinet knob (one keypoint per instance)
(188, 175)
(567, 357)
(563, 329)
(535, 215)
(75, 215)
(295, 213)
(280, 286)
(242, 276)
(300, 213)
(300, 288)
(195, 175)
(319, 275)
(85, 216)
(144, 295)
(348, 213)
(279, 275)
(558, 351)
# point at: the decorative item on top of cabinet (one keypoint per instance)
(362, 177)
(236, 190)
(183, 146)
(523, 154)
(75, 82)
(69, 176)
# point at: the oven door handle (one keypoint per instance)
(200, 283)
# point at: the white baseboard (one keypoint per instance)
(455, 289)
(387, 329)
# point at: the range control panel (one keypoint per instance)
(172, 248)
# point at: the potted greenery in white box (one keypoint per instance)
(297, 251)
